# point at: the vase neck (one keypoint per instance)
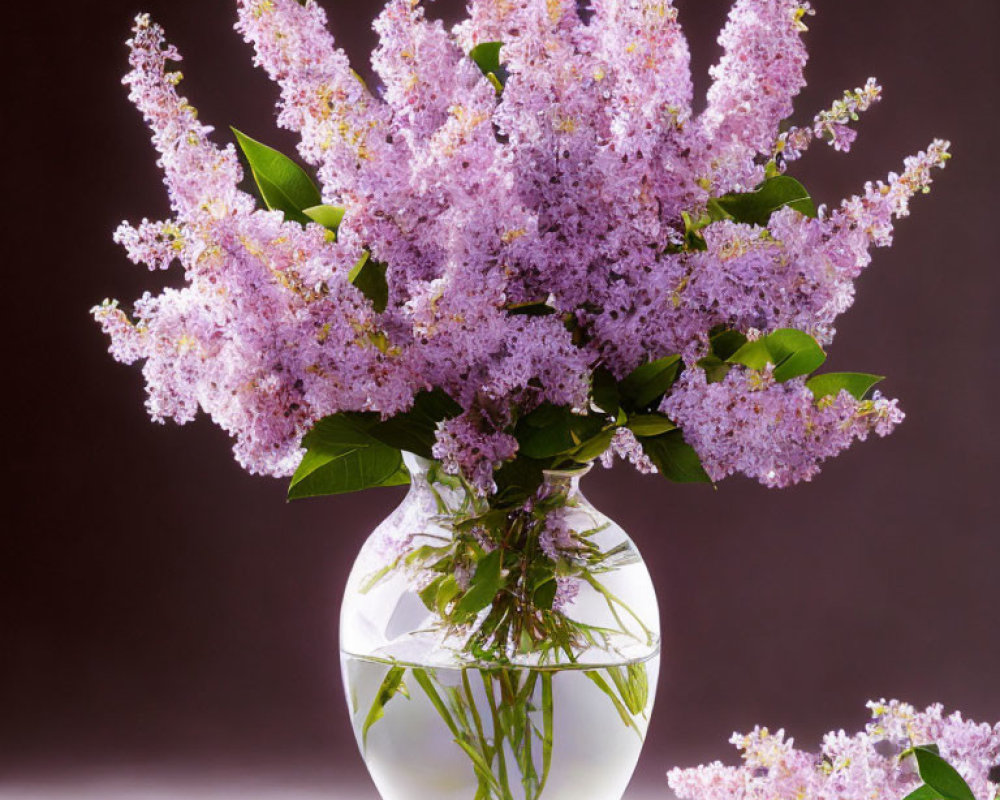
(565, 482)
(417, 466)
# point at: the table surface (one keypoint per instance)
(154, 787)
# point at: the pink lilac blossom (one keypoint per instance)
(570, 187)
(469, 445)
(626, 446)
(849, 767)
(833, 124)
(268, 335)
(557, 540)
(774, 432)
(760, 73)
(567, 590)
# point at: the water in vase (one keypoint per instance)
(499, 734)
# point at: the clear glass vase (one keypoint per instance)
(543, 693)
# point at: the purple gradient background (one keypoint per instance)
(164, 614)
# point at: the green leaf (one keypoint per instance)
(593, 447)
(391, 686)
(545, 595)
(342, 457)
(632, 684)
(284, 185)
(486, 582)
(792, 352)
(716, 213)
(447, 591)
(674, 458)
(552, 430)
(756, 207)
(857, 384)
(925, 792)
(693, 240)
(329, 217)
(548, 729)
(795, 353)
(941, 776)
(422, 677)
(368, 276)
(650, 424)
(414, 430)
(649, 382)
(428, 595)
(517, 480)
(754, 355)
(487, 58)
(723, 344)
(726, 342)
(715, 368)
(536, 308)
(620, 707)
(604, 391)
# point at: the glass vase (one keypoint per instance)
(543, 693)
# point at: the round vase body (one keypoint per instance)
(434, 722)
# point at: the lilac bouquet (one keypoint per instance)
(902, 753)
(523, 251)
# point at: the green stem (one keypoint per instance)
(548, 728)
(498, 736)
(478, 722)
(611, 600)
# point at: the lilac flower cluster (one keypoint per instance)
(774, 432)
(859, 767)
(571, 187)
(470, 445)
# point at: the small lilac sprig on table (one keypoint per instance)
(903, 754)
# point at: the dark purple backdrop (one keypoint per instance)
(160, 607)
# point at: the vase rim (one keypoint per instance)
(573, 472)
(412, 460)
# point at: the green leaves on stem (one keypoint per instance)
(747, 208)
(349, 452)
(941, 780)
(284, 185)
(369, 276)
(557, 437)
(756, 207)
(791, 352)
(640, 394)
(486, 583)
(675, 459)
(646, 385)
(857, 384)
(342, 456)
(487, 58)
(391, 686)
(550, 431)
(414, 430)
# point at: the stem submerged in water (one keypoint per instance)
(515, 748)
